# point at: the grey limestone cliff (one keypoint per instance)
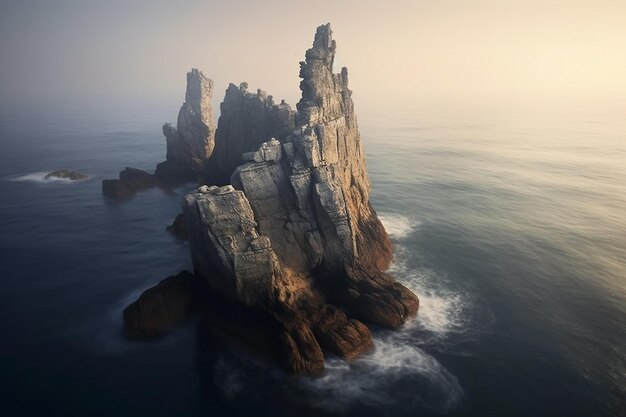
(294, 233)
(246, 121)
(190, 144)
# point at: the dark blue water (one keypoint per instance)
(509, 222)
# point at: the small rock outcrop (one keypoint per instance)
(131, 180)
(246, 121)
(67, 174)
(161, 308)
(190, 144)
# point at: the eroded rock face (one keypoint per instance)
(294, 234)
(288, 253)
(190, 144)
(246, 121)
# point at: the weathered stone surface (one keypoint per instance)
(66, 173)
(376, 297)
(302, 352)
(161, 308)
(298, 230)
(228, 252)
(130, 181)
(268, 152)
(246, 121)
(190, 144)
(341, 335)
(356, 246)
(284, 225)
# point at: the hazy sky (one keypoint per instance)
(61, 50)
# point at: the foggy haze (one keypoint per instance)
(138, 51)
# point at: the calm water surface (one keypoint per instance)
(509, 222)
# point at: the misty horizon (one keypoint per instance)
(113, 53)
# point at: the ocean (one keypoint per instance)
(508, 221)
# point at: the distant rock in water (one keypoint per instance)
(130, 181)
(190, 144)
(292, 233)
(67, 174)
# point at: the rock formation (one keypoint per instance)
(130, 181)
(286, 247)
(161, 308)
(67, 174)
(190, 144)
(294, 233)
(246, 121)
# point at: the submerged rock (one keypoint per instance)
(131, 180)
(67, 174)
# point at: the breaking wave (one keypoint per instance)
(395, 373)
(442, 310)
(397, 225)
(400, 371)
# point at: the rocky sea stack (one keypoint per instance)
(191, 142)
(281, 231)
(66, 174)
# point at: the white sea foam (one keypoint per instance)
(397, 225)
(40, 177)
(401, 371)
(441, 310)
(395, 373)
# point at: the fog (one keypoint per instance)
(86, 52)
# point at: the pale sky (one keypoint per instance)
(88, 50)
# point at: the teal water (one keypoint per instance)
(508, 221)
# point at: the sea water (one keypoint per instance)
(508, 221)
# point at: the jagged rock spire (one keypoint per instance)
(296, 228)
(191, 143)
